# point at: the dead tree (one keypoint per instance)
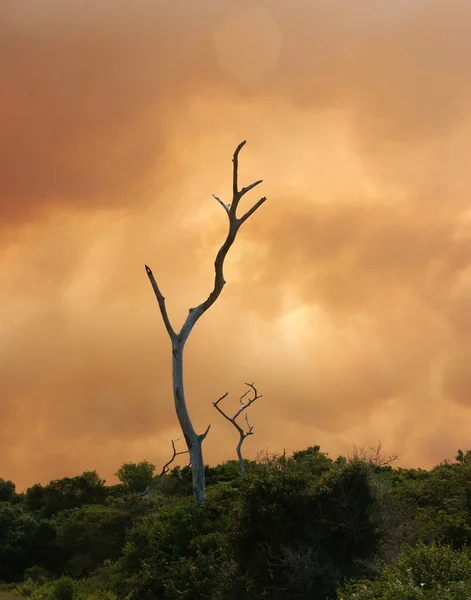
(373, 457)
(165, 468)
(194, 440)
(242, 434)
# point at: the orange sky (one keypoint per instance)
(348, 296)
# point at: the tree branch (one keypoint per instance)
(234, 225)
(251, 211)
(374, 456)
(251, 401)
(165, 468)
(225, 206)
(203, 435)
(235, 170)
(246, 189)
(161, 301)
(244, 406)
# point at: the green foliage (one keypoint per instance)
(23, 541)
(297, 526)
(442, 502)
(115, 491)
(60, 589)
(9, 592)
(89, 535)
(175, 553)
(136, 477)
(423, 573)
(228, 471)
(99, 585)
(299, 530)
(36, 574)
(313, 460)
(62, 494)
(176, 484)
(463, 458)
(63, 589)
(7, 490)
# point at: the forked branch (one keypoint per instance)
(165, 468)
(244, 406)
(234, 224)
(374, 456)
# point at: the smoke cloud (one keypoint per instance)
(348, 293)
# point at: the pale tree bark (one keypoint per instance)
(242, 434)
(193, 439)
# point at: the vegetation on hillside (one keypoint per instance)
(302, 526)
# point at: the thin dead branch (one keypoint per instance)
(374, 456)
(161, 301)
(165, 468)
(244, 406)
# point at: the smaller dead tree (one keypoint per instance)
(165, 468)
(374, 457)
(244, 406)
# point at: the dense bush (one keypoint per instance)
(421, 573)
(303, 527)
(136, 477)
(175, 553)
(89, 535)
(24, 542)
(7, 490)
(63, 494)
(300, 529)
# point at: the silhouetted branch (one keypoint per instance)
(374, 456)
(165, 468)
(161, 301)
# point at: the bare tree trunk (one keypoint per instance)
(193, 440)
(241, 458)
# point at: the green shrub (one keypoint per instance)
(175, 553)
(424, 573)
(60, 589)
(63, 589)
(300, 530)
(35, 573)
